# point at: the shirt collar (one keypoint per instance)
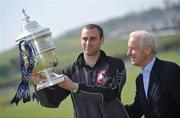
(149, 66)
(80, 60)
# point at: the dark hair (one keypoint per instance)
(91, 26)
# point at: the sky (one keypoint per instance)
(62, 15)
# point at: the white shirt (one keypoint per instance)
(146, 74)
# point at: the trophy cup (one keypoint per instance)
(43, 51)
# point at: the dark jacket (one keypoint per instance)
(163, 93)
(99, 88)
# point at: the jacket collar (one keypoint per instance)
(80, 60)
(154, 78)
(153, 84)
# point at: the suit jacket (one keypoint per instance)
(163, 97)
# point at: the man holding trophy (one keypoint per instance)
(94, 81)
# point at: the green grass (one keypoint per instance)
(128, 91)
(34, 110)
(163, 40)
(67, 51)
(8, 55)
(171, 55)
(115, 47)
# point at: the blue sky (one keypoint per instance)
(62, 15)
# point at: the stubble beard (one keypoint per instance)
(93, 53)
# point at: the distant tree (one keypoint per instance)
(4, 70)
(171, 3)
(14, 62)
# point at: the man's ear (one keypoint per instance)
(102, 40)
(148, 50)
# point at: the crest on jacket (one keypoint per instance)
(101, 78)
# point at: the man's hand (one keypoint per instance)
(68, 84)
(37, 77)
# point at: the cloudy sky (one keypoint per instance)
(62, 15)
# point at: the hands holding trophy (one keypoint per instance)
(37, 54)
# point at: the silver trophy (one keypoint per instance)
(44, 51)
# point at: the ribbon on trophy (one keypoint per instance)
(27, 62)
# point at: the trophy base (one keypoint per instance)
(55, 79)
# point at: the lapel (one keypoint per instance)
(141, 90)
(154, 79)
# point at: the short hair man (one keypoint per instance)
(94, 81)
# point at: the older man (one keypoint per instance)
(158, 84)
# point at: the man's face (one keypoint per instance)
(136, 53)
(90, 41)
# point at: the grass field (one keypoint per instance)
(34, 110)
(66, 55)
